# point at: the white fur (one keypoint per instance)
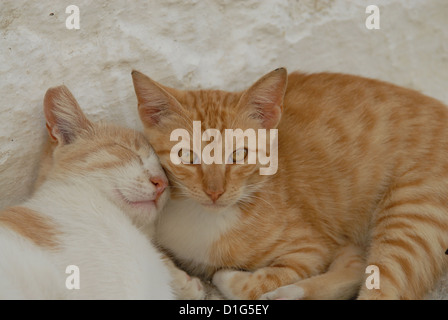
(25, 271)
(222, 279)
(115, 259)
(188, 229)
(289, 292)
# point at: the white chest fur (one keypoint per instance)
(188, 229)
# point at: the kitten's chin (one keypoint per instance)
(215, 207)
(208, 205)
(141, 220)
(141, 213)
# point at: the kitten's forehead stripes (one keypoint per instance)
(204, 105)
(124, 145)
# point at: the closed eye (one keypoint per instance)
(131, 151)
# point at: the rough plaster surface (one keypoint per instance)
(224, 44)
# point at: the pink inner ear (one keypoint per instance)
(265, 98)
(50, 132)
(150, 114)
(269, 116)
(65, 118)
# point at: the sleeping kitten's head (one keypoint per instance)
(118, 162)
(163, 110)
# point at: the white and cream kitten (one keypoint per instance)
(104, 184)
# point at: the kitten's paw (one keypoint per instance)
(188, 288)
(225, 280)
(289, 292)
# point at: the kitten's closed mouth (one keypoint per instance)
(214, 206)
(140, 204)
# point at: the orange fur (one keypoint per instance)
(363, 164)
(32, 225)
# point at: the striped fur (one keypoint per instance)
(362, 180)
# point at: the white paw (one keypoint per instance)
(222, 279)
(289, 292)
(188, 288)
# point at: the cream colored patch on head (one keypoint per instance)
(30, 224)
(103, 146)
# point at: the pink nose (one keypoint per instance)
(214, 195)
(160, 184)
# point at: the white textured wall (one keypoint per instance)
(191, 44)
(223, 44)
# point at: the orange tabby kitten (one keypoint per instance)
(362, 180)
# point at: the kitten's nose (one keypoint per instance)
(214, 194)
(160, 184)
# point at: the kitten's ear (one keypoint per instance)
(65, 119)
(264, 99)
(154, 101)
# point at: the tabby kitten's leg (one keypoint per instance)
(341, 281)
(410, 238)
(184, 286)
(289, 268)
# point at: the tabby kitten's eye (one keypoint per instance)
(238, 155)
(188, 156)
